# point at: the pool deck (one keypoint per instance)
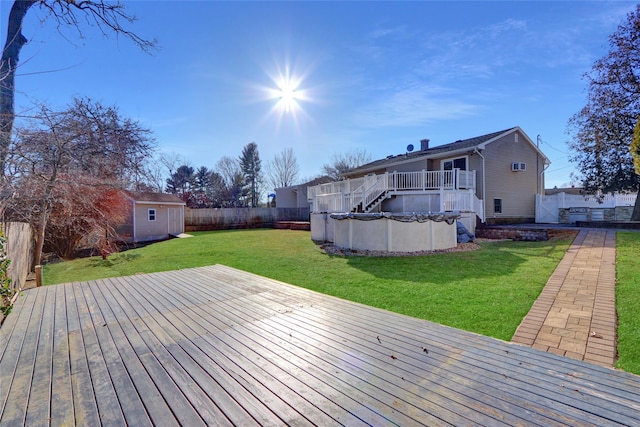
(218, 346)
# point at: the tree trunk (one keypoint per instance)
(8, 64)
(37, 250)
(45, 211)
(635, 216)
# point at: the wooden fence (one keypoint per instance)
(19, 251)
(233, 218)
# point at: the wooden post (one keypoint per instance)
(38, 269)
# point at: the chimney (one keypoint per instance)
(424, 144)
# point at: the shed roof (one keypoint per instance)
(155, 198)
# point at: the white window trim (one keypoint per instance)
(155, 214)
(451, 159)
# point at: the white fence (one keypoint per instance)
(548, 206)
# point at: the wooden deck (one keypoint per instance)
(219, 346)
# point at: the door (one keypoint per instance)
(459, 163)
(176, 223)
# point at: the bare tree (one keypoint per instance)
(342, 163)
(109, 17)
(283, 170)
(229, 169)
(85, 146)
(154, 177)
(231, 173)
(172, 161)
(84, 211)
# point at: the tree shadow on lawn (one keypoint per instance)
(113, 260)
(492, 259)
(440, 268)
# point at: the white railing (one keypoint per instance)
(467, 179)
(376, 185)
(334, 202)
(456, 189)
(346, 186)
(454, 200)
(421, 180)
(478, 207)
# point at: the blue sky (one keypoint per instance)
(368, 75)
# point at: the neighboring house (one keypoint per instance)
(295, 196)
(154, 216)
(495, 177)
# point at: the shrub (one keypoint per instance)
(6, 292)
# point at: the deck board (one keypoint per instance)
(218, 346)
(62, 405)
(190, 326)
(39, 407)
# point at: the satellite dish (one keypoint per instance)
(410, 148)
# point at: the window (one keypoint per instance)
(497, 205)
(152, 214)
(459, 163)
(518, 167)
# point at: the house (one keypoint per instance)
(492, 178)
(153, 216)
(295, 196)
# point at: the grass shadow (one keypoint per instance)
(441, 268)
(112, 260)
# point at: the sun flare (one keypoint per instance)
(288, 95)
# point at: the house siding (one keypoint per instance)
(516, 189)
(286, 197)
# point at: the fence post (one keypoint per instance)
(38, 270)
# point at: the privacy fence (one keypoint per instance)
(233, 218)
(19, 251)
(566, 208)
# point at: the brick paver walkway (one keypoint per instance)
(575, 315)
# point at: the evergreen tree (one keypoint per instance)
(180, 181)
(251, 168)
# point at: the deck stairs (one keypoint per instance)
(371, 193)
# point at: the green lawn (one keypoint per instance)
(628, 300)
(487, 291)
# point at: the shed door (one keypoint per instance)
(176, 225)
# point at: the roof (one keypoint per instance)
(155, 198)
(434, 152)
